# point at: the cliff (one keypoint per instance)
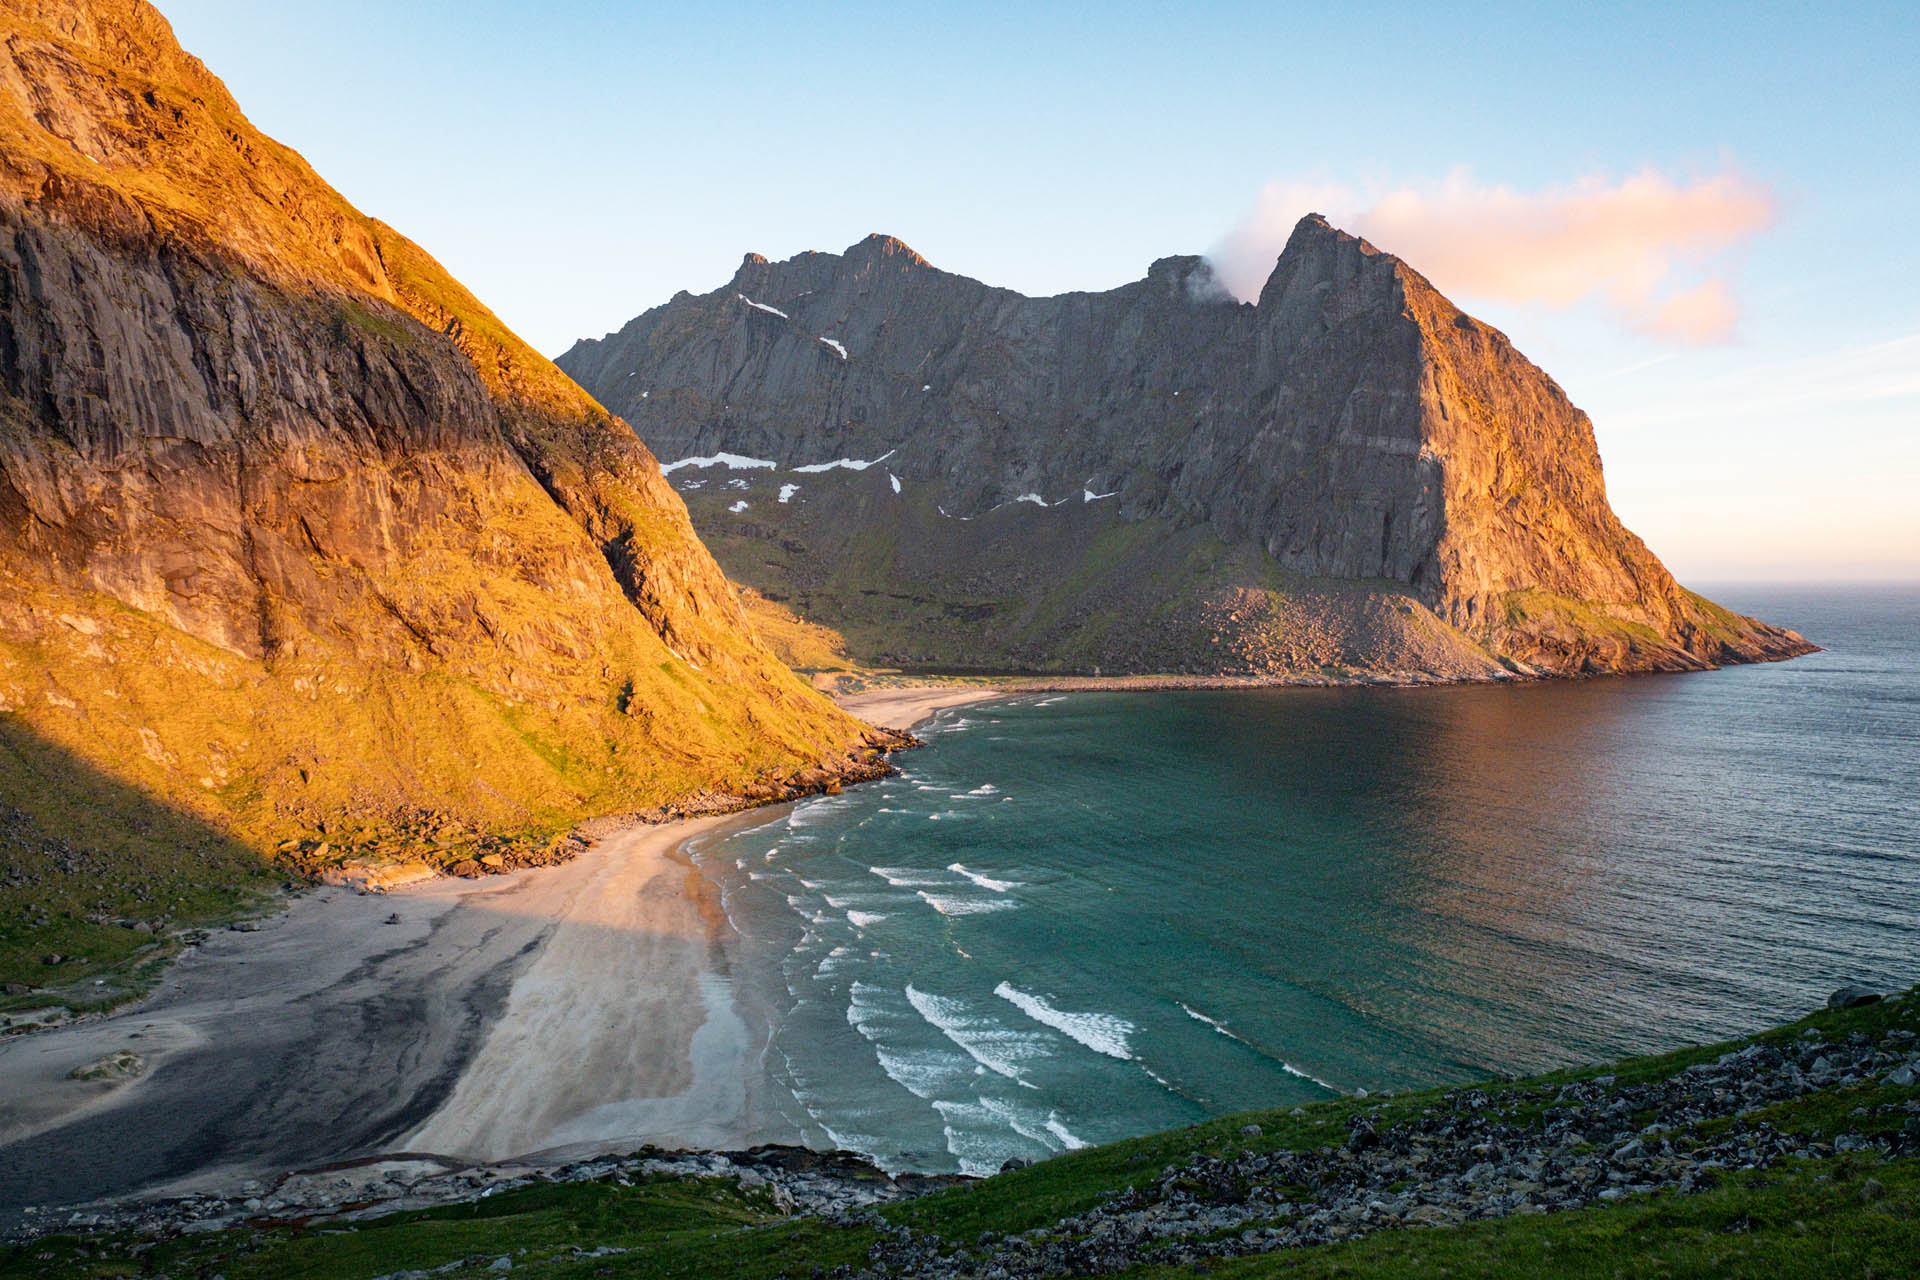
(1349, 474)
(295, 536)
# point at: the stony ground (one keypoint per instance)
(1839, 1091)
(1474, 1154)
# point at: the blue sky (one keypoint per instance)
(575, 164)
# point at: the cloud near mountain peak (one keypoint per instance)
(1650, 248)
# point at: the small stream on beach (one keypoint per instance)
(1076, 918)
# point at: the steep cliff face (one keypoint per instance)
(292, 530)
(1349, 473)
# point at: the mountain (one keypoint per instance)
(296, 538)
(1349, 477)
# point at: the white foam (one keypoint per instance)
(951, 906)
(732, 461)
(761, 306)
(984, 789)
(1285, 1066)
(1060, 1131)
(1100, 1032)
(862, 919)
(985, 882)
(787, 491)
(838, 349)
(908, 877)
(999, 1048)
(850, 464)
(922, 1072)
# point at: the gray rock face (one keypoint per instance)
(272, 484)
(1352, 426)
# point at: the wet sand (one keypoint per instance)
(580, 1006)
(564, 1010)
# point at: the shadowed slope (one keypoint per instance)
(293, 531)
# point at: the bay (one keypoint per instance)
(1076, 918)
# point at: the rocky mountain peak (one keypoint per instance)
(884, 247)
(1352, 427)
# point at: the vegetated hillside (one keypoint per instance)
(297, 541)
(1793, 1153)
(1350, 474)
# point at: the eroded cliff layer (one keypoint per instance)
(293, 532)
(1349, 474)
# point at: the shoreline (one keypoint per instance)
(557, 1010)
(905, 707)
(545, 1014)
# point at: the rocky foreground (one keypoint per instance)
(1337, 1171)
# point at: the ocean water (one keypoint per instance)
(1076, 918)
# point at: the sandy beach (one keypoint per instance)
(906, 707)
(562, 1010)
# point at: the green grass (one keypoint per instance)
(1848, 1215)
(672, 1227)
(1845, 1217)
(80, 851)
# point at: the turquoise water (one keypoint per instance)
(1078, 918)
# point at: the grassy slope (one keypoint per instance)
(520, 711)
(1849, 1215)
(1064, 592)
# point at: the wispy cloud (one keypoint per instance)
(1811, 389)
(1651, 248)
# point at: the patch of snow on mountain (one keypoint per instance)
(761, 306)
(851, 464)
(732, 461)
(838, 349)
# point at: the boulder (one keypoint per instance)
(1852, 997)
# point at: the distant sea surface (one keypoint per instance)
(1079, 918)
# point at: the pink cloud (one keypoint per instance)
(1704, 314)
(1623, 242)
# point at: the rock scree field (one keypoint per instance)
(1795, 1151)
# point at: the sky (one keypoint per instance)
(1700, 219)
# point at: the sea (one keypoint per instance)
(1075, 918)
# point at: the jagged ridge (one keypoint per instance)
(1348, 472)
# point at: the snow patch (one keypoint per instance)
(837, 348)
(761, 306)
(851, 464)
(1034, 498)
(894, 480)
(731, 461)
(1088, 495)
(738, 507)
(787, 491)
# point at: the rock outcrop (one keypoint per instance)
(1349, 473)
(294, 533)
